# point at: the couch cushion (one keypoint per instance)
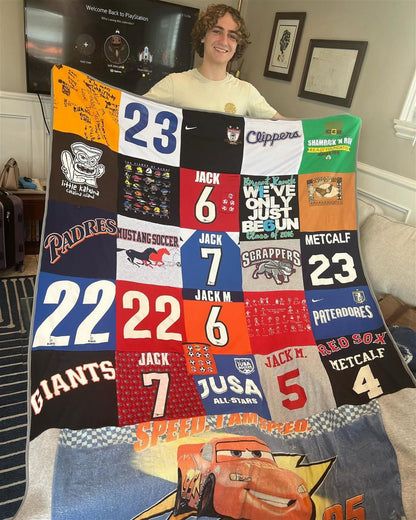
(365, 208)
(388, 251)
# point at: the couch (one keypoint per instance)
(388, 252)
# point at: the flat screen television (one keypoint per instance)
(130, 44)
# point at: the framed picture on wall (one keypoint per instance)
(284, 45)
(331, 71)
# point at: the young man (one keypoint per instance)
(219, 36)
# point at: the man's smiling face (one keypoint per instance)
(220, 42)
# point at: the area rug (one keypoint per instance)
(16, 294)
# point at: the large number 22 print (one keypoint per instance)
(74, 315)
(81, 315)
(148, 132)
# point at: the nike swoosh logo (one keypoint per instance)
(190, 127)
(314, 301)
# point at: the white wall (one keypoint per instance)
(12, 46)
(389, 26)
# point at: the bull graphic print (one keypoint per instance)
(279, 270)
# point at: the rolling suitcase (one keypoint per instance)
(12, 245)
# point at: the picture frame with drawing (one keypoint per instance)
(332, 69)
(284, 45)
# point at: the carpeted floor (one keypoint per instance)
(16, 295)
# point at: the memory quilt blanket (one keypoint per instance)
(204, 340)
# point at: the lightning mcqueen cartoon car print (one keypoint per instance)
(237, 477)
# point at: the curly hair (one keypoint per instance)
(209, 18)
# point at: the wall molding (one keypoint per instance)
(405, 129)
(406, 126)
(396, 195)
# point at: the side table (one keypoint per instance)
(33, 211)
